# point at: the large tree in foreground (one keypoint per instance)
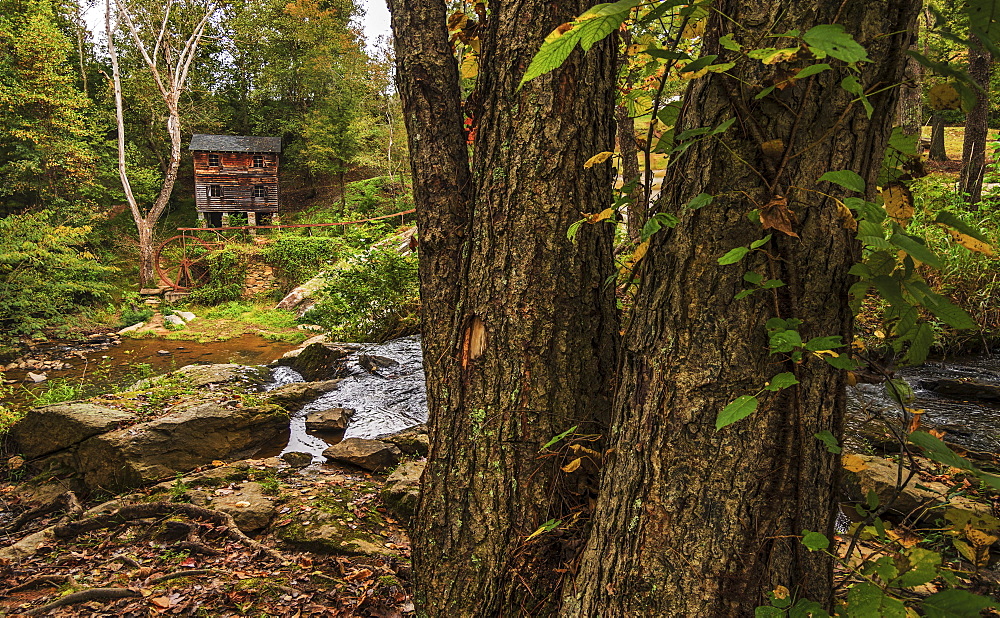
(519, 323)
(692, 521)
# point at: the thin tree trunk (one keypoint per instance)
(974, 143)
(697, 522)
(937, 152)
(628, 146)
(526, 349)
(911, 99)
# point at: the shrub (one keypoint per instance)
(226, 277)
(374, 299)
(299, 258)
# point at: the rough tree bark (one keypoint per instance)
(628, 146)
(974, 142)
(170, 80)
(911, 99)
(519, 326)
(695, 522)
(937, 151)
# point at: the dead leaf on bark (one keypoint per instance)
(853, 463)
(775, 215)
(773, 149)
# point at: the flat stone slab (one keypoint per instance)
(329, 420)
(368, 454)
(53, 428)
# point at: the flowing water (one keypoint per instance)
(970, 424)
(384, 401)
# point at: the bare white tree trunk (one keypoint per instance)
(170, 81)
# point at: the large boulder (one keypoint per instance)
(368, 454)
(294, 396)
(200, 376)
(412, 441)
(49, 429)
(402, 489)
(188, 436)
(316, 361)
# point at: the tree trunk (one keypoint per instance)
(911, 99)
(147, 268)
(697, 522)
(526, 348)
(628, 146)
(974, 143)
(937, 152)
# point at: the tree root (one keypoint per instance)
(188, 573)
(124, 559)
(133, 512)
(51, 580)
(66, 501)
(84, 596)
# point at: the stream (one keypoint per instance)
(970, 424)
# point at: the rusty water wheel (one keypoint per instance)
(181, 262)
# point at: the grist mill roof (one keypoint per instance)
(235, 143)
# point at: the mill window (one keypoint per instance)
(213, 160)
(214, 191)
(259, 191)
(258, 160)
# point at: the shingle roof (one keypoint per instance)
(235, 143)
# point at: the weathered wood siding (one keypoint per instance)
(236, 177)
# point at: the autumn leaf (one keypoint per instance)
(776, 215)
(944, 96)
(898, 202)
(598, 158)
(601, 216)
(972, 244)
(773, 149)
(457, 20)
(573, 465)
(853, 463)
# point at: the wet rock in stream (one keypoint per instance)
(368, 454)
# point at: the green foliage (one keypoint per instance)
(252, 314)
(46, 272)
(226, 277)
(299, 258)
(55, 391)
(373, 299)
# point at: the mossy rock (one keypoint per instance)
(332, 528)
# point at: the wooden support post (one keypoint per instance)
(252, 221)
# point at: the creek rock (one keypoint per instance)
(48, 429)
(249, 504)
(329, 420)
(969, 390)
(412, 441)
(316, 361)
(187, 437)
(200, 376)
(174, 320)
(402, 489)
(294, 396)
(920, 500)
(297, 459)
(335, 524)
(371, 455)
(300, 299)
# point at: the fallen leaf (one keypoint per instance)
(853, 463)
(161, 602)
(776, 215)
(573, 465)
(242, 504)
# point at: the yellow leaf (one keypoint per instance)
(853, 463)
(601, 216)
(470, 67)
(640, 251)
(852, 379)
(780, 592)
(847, 220)
(600, 157)
(944, 96)
(898, 202)
(972, 244)
(457, 20)
(573, 465)
(780, 55)
(979, 538)
(695, 29)
(826, 352)
(694, 75)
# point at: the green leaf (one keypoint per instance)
(699, 64)
(812, 69)
(827, 438)
(754, 278)
(760, 242)
(574, 228)
(743, 294)
(937, 450)
(825, 343)
(815, 541)
(733, 256)
(841, 362)
(742, 407)
(770, 284)
(921, 566)
(554, 50)
(804, 608)
(852, 85)
(785, 341)
(952, 220)
(780, 381)
(763, 93)
(559, 437)
(890, 290)
(955, 603)
(657, 222)
(920, 345)
(766, 611)
(845, 178)
(699, 201)
(866, 600)
(916, 249)
(601, 20)
(951, 314)
(898, 390)
(832, 40)
(548, 526)
(729, 43)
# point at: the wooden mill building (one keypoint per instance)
(235, 173)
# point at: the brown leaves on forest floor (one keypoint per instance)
(142, 568)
